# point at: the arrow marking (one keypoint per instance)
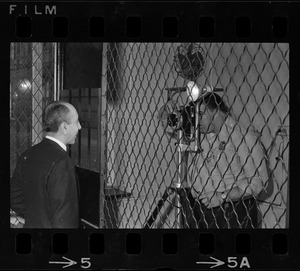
(214, 264)
(67, 264)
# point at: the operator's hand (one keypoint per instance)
(211, 199)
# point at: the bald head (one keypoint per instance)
(55, 114)
(61, 121)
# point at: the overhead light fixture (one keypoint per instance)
(24, 85)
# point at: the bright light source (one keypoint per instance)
(24, 85)
(193, 91)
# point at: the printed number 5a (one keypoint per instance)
(232, 262)
(85, 263)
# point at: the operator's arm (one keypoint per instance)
(63, 196)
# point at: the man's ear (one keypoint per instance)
(63, 127)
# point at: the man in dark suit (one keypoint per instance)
(44, 188)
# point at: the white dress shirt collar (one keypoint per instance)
(58, 142)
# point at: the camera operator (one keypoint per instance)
(226, 177)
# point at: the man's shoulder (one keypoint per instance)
(46, 148)
(238, 132)
(49, 144)
(231, 122)
(231, 127)
(234, 129)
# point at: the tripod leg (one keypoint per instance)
(187, 210)
(182, 208)
(165, 214)
(181, 193)
(155, 212)
(178, 211)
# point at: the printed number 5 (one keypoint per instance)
(85, 263)
(232, 263)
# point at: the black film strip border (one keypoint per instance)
(167, 22)
(160, 21)
(117, 249)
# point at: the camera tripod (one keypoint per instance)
(183, 208)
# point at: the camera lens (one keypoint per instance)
(172, 120)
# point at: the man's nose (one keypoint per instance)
(79, 127)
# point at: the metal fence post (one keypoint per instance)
(37, 92)
(102, 174)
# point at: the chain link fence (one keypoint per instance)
(31, 88)
(143, 160)
(125, 145)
